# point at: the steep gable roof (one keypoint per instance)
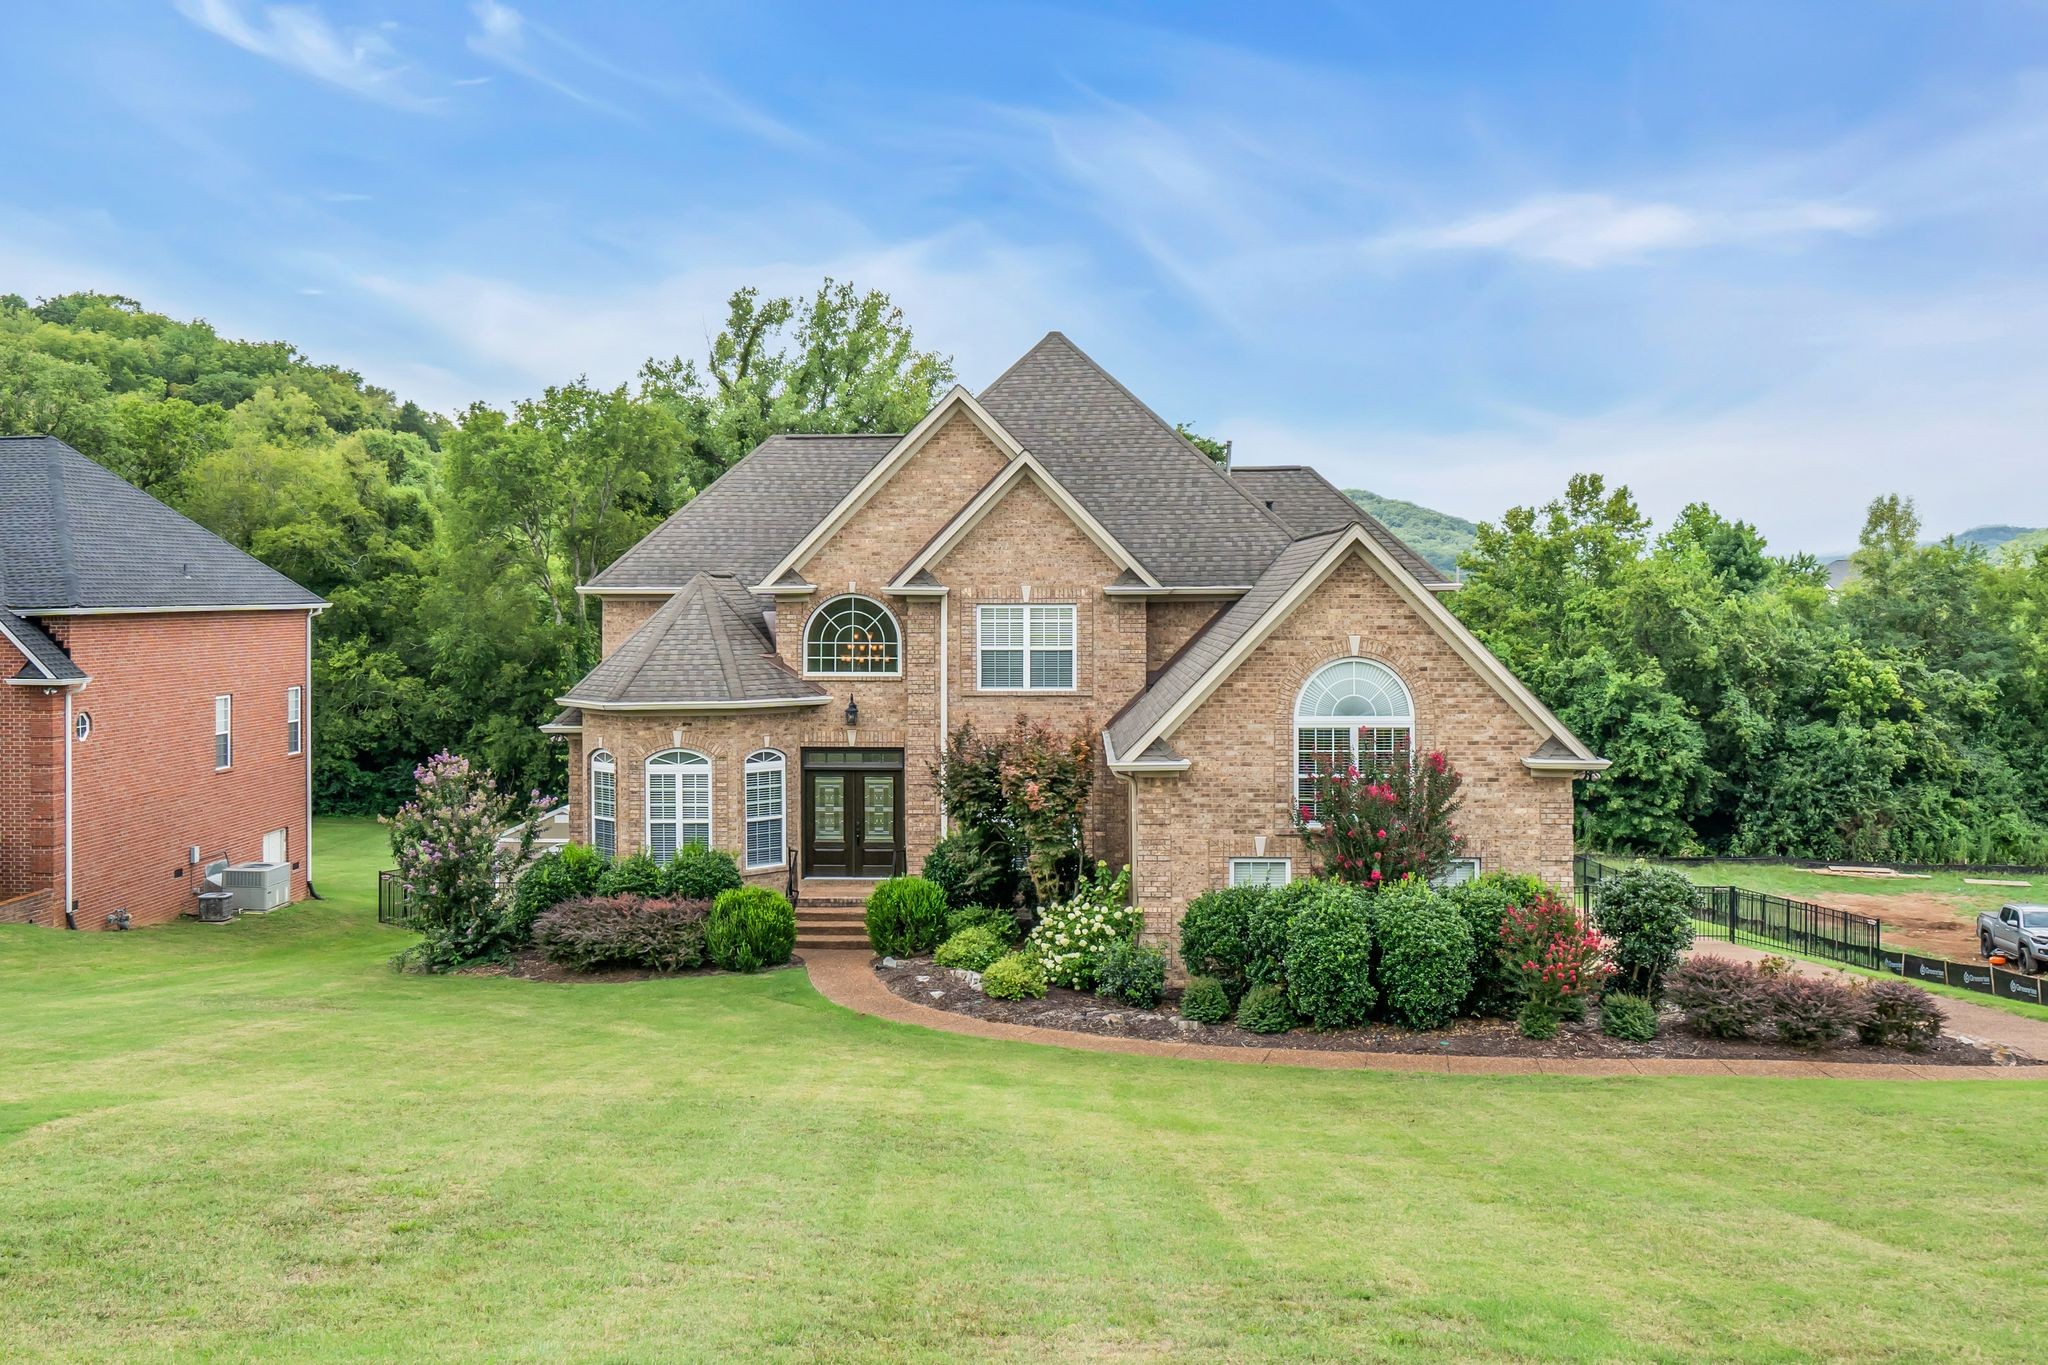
(751, 516)
(1183, 518)
(1025, 467)
(47, 662)
(705, 649)
(1311, 504)
(75, 537)
(1203, 665)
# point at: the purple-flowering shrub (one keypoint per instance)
(458, 878)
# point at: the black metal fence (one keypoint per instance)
(394, 902)
(1762, 920)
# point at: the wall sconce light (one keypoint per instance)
(852, 713)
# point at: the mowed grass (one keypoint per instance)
(1799, 884)
(257, 1141)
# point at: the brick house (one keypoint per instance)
(155, 699)
(784, 657)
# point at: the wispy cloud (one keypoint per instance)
(537, 52)
(1587, 231)
(360, 61)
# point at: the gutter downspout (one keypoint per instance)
(945, 649)
(70, 906)
(306, 752)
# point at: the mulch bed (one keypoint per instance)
(528, 965)
(923, 982)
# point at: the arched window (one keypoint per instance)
(764, 782)
(678, 802)
(851, 635)
(1349, 712)
(604, 803)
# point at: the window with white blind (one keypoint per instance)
(604, 803)
(765, 787)
(678, 802)
(294, 732)
(1026, 647)
(223, 733)
(1350, 713)
(1261, 871)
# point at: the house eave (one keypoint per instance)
(1218, 591)
(756, 704)
(1567, 765)
(316, 607)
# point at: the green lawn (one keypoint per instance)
(1798, 884)
(257, 1141)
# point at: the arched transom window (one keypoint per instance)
(604, 802)
(678, 802)
(851, 635)
(1349, 713)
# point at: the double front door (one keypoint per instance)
(853, 813)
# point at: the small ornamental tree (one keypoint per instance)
(1024, 790)
(1387, 820)
(457, 878)
(1559, 959)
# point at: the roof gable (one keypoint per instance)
(1022, 469)
(75, 537)
(1310, 504)
(1196, 673)
(44, 661)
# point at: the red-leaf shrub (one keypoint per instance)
(1814, 1011)
(1899, 1014)
(1387, 820)
(1719, 997)
(611, 931)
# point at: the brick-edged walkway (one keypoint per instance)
(848, 979)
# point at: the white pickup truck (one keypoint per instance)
(2017, 932)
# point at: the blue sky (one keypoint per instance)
(1780, 257)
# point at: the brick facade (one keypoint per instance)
(144, 788)
(1235, 799)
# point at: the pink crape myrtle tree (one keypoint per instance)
(1388, 819)
(457, 875)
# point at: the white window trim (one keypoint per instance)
(1347, 726)
(1286, 870)
(1073, 650)
(294, 724)
(817, 613)
(601, 761)
(761, 761)
(1478, 870)
(223, 706)
(703, 764)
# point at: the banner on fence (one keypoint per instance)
(2013, 986)
(1918, 968)
(1968, 976)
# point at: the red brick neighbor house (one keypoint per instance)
(785, 656)
(155, 701)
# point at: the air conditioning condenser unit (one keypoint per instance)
(259, 886)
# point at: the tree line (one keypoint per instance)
(1748, 707)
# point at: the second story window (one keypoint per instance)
(223, 732)
(852, 635)
(1028, 647)
(294, 732)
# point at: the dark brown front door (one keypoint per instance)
(853, 813)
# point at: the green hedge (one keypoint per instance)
(1425, 965)
(750, 928)
(1329, 957)
(906, 916)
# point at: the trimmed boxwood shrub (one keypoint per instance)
(1014, 976)
(1899, 1014)
(1215, 934)
(1719, 998)
(1425, 964)
(1329, 958)
(1132, 974)
(971, 950)
(998, 921)
(906, 916)
(1646, 915)
(1267, 922)
(1630, 1018)
(1264, 1009)
(564, 874)
(698, 873)
(1482, 902)
(638, 875)
(1205, 1001)
(750, 927)
(588, 932)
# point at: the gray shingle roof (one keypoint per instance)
(75, 537)
(1163, 500)
(752, 515)
(1195, 661)
(47, 662)
(706, 646)
(566, 720)
(1311, 504)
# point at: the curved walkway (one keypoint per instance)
(847, 978)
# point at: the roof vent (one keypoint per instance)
(1269, 504)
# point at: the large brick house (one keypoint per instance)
(155, 703)
(784, 657)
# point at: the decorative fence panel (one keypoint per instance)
(394, 902)
(1760, 920)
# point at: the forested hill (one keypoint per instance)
(1437, 536)
(450, 549)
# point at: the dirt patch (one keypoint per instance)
(1921, 921)
(921, 981)
(529, 965)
